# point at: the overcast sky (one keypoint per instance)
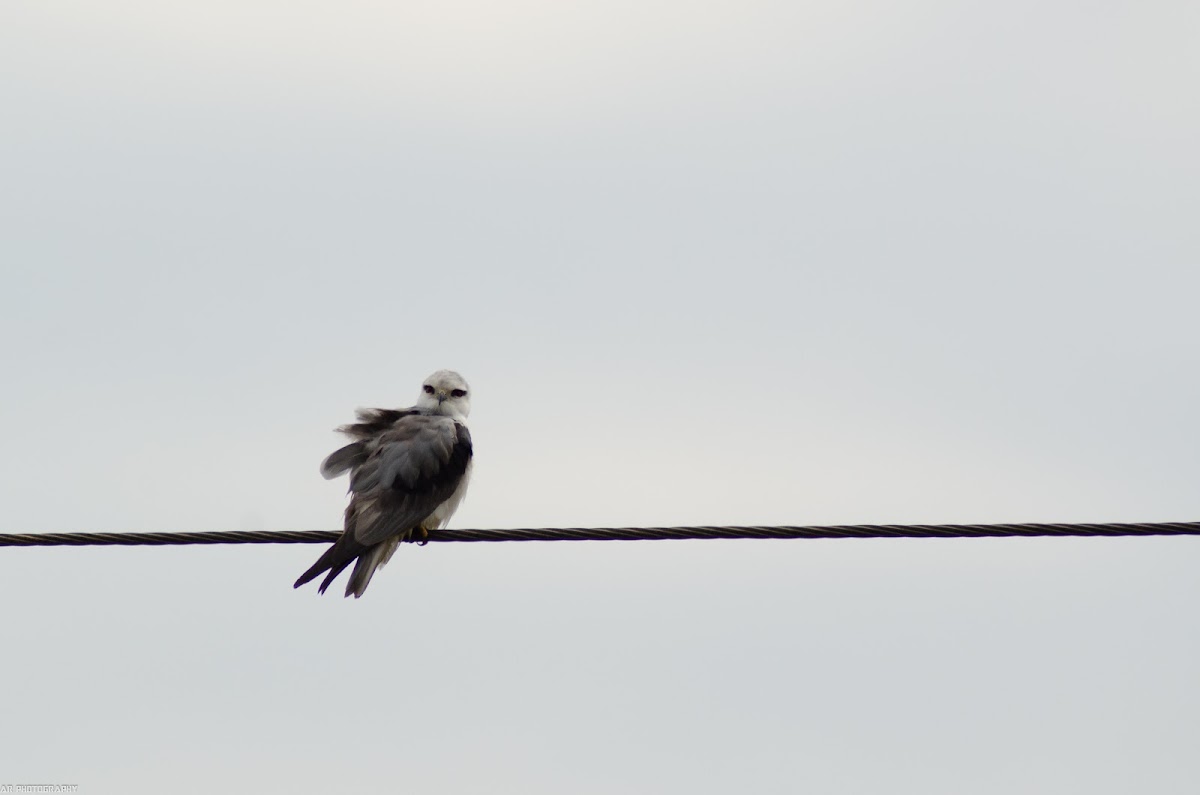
(720, 263)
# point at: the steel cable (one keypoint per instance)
(1033, 530)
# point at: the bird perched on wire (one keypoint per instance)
(409, 470)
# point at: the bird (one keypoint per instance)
(409, 470)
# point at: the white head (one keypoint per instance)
(445, 392)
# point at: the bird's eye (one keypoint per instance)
(458, 392)
(428, 389)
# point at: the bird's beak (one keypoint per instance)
(441, 396)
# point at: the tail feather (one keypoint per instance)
(333, 573)
(366, 559)
(364, 570)
(369, 563)
(335, 559)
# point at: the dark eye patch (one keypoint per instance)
(458, 392)
(428, 389)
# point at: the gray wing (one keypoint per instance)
(372, 423)
(414, 467)
(398, 478)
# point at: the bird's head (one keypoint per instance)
(445, 392)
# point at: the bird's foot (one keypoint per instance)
(424, 535)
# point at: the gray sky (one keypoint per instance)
(702, 263)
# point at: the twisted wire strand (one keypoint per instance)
(1029, 530)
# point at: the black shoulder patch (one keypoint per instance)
(442, 483)
(464, 438)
